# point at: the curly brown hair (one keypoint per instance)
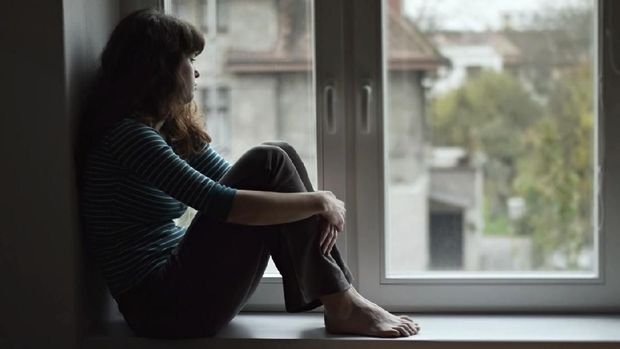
(139, 77)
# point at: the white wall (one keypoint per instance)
(463, 56)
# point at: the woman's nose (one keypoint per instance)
(196, 74)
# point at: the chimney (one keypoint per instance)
(506, 22)
(395, 6)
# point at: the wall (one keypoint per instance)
(258, 15)
(49, 52)
(38, 234)
(87, 25)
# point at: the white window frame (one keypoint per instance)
(329, 82)
(348, 68)
(329, 79)
(478, 292)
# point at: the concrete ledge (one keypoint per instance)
(282, 330)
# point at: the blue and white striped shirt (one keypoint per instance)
(134, 186)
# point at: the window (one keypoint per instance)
(256, 81)
(467, 144)
(485, 222)
(506, 185)
(200, 12)
(223, 8)
(216, 110)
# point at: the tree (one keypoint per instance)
(538, 138)
(488, 114)
(556, 179)
(557, 37)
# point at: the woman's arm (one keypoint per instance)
(145, 154)
(266, 208)
(209, 162)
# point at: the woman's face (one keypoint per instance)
(188, 77)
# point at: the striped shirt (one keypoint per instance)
(134, 186)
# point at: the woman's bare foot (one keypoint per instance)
(348, 312)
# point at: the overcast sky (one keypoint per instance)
(479, 14)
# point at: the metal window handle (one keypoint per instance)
(366, 108)
(329, 102)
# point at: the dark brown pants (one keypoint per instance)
(217, 266)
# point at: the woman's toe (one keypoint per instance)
(405, 317)
(402, 330)
(413, 329)
(390, 333)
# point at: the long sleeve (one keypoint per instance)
(143, 151)
(209, 163)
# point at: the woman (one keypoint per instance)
(146, 158)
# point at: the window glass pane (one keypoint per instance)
(256, 76)
(489, 137)
(222, 15)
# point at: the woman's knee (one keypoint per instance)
(267, 167)
(271, 156)
(263, 149)
(289, 150)
(282, 145)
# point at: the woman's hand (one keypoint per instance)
(332, 209)
(333, 214)
(329, 234)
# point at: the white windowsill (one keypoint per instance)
(305, 330)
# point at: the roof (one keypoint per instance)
(556, 46)
(409, 48)
(454, 178)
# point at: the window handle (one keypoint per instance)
(366, 107)
(329, 97)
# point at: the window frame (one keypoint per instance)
(465, 292)
(328, 79)
(349, 56)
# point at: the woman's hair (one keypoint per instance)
(139, 77)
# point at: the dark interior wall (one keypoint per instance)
(48, 53)
(37, 256)
(87, 26)
(89, 34)
(49, 293)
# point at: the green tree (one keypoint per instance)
(556, 37)
(489, 115)
(537, 140)
(556, 178)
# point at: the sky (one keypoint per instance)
(479, 15)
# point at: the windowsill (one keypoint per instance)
(438, 331)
